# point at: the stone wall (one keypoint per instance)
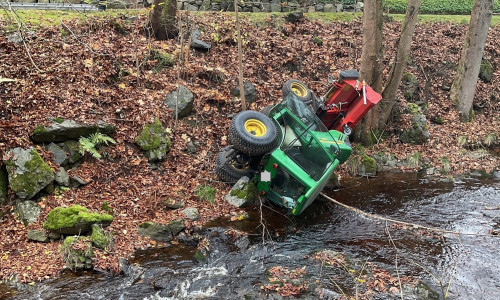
(228, 5)
(267, 6)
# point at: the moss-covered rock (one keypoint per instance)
(155, 231)
(77, 252)
(72, 148)
(100, 238)
(486, 71)
(74, 220)
(242, 194)
(68, 130)
(418, 134)
(27, 172)
(155, 141)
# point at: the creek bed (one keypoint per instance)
(238, 266)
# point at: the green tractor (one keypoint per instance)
(286, 149)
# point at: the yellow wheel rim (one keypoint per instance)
(255, 127)
(298, 89)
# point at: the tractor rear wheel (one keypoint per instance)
(299, 88)
(252, 133)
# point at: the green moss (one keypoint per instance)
(164, 60)
(77, 252)
(152, 136)
(58, 120)
(100, 238)
(318, 41)
(409, 78)
(248, 193)
(105, 206)
(64, 217)
(413, 108)
(206, 193)
(39, 129)
(369, 163)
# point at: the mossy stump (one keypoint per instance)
(77, 252)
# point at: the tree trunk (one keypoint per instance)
(162, 19)
(240, 58)
(463, 88)
(398, 66)
(371, 65)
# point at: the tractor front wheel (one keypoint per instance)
(299, 88)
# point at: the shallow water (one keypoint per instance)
(236, 266)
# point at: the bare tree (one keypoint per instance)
(463, 88)
(162, 19)
(371, 64)
(398, 66)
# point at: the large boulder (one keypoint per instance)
(242, 194)
(184, 98)
(28, 211)
(74, 220)
(155, 141)
(77, 252)
(68, 130)
(27, 172)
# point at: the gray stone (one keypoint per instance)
(155, 231)
(294, 16)
(340, 8)
(359, 6)
(250, 93)
(198, 44)
(27, 172)
(15, 38)
(205, 5)
(242, 193)
(76, 181)
(4, 183)
(38, 236)
(60, 156)
(176, 226)
(191, 213)
(71, 147)
(28, 211)
(419, 291)
(174, 203)
(62, 177)
(329, 8)
(275, 5)
(115, 4)
(190, 7)
(311, 9)
(496, 175)
(418, 133)
(266, 7)
(184, 98)
(68, 130)
(319, 7)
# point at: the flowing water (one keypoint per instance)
(464, 267)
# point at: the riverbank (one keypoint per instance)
(103, 69)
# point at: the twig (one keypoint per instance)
(396, 260)
(373, 216)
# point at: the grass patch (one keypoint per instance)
(455, 19)
(206, 193)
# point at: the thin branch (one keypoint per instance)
(377, 217)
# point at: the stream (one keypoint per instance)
(372, 250)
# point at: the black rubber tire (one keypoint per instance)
(250, 142)
(299, 88)
(267, 110)
(227, 170)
